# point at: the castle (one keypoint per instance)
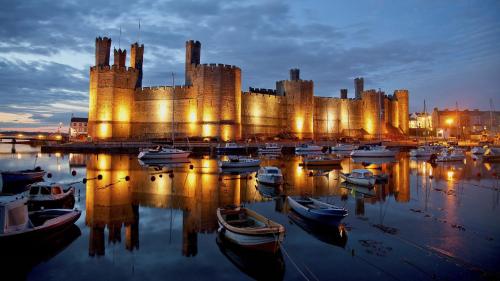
(211, 104)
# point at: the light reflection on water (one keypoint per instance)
(421, 217)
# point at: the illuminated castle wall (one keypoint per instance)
(211, 104)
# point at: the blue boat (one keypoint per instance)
(318, 211)
(23, 176)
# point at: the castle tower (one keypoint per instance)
(298, 106)
(136, 61)
(193, 54)
(120, 56)
(343, 93)
(294, 74)
(359, 86)
(111, 94)
(403, 110)
(102, 48)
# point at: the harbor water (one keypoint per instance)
(425, 222)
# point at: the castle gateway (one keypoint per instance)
(211, 104)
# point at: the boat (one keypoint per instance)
(361, 177)
(50, 196)
(270, 148)
(23, 176)
(238, 162)
(30, 227)
(160, 152)
(344, 147)
(239, 171)
(230, 148)
(492, 154)
(373, 151)
(306, 148)
(269, 175)
(321, 160)
(257, 265)
(478, 150)
(450, 155)
(249, 229)
(365, 191)
(318, 211)
(422, 151)
(333, 235)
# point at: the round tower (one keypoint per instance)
(403, 110)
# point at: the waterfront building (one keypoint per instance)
(212, 105)
(466, 124)
(78, 128)
(421, 124)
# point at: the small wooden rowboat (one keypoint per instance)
(249, 229)
(24, 176)
(318, 211)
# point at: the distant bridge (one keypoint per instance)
(31, 138)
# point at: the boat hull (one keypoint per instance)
(16, 177)
(65, 201)
(373, 153)
(330, 217)
(156, 156)
(229, 165)
(357, 181)
(266, 243)
(335, 162)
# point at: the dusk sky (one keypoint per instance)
(441, 51)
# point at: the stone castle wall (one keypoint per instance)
(212, 105)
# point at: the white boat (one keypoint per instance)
(18, 227)
(361, 177)
(160, 152)
(321, 160)
(249, 229)
(270, 175)
(305, 148)
(373, 151)
(492, 154)
(450, 156)
(230, 148)
(344, 147)
(270, 148)
(478, 150)
(422, 151)
(239, 162)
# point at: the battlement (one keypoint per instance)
(102, 48)
(300, 80)
(193, 42)
(115, 68)
(154, 88)
(262, 91)
(120, 57)
(216, 66)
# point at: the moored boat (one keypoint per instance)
(478, 150)
(50, 196)
(318, 211)
(308, 148)
(321, 160)
(361, 177)
(270, 148)
(344, 147)
(422, 151)
(492, 154)
(30, 227)
(373, 151)
(450, 155)
(270, 175)
(160, 152)
(230, 148)
(23, 176)
(238, 162)
(249, 229)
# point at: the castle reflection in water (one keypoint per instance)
(197, 189)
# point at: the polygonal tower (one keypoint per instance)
(193, 55)
(136, 61)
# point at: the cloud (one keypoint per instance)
(18, 118)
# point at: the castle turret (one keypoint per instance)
(193, 54)
(294, 74)
(343, 93)
(403, 110)
(120, 57)
(359, 86)
(102, 49)
(136, 61)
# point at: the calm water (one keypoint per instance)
(427, 222)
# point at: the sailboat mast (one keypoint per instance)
(458, 120)
(491, 117)
(173, 104)
(425, 124)
(379, 117)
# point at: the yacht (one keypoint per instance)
(373, 151)
(306, 148)
(478, 150)
(450, 156)
(422, 151)
(270, 175)
(160, 152)
(344, 147)
(270, 148)
(239, 162)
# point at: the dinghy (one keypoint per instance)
(361, 177)
(249, 229)
(23, 176)
(30, 227)
(318, 211)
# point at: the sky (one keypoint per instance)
(444, 52)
